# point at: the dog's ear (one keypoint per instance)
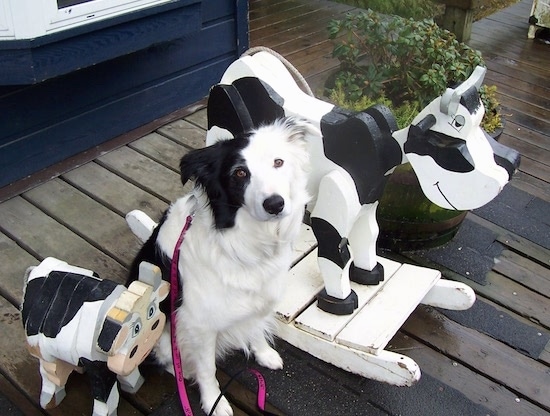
(198, 164)
(298, 129)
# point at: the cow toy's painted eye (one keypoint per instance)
(136, 329)
(458, 122)
(277, 163)
(151, 311)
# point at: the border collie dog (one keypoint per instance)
(247, 206)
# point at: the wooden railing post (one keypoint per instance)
(459, 16)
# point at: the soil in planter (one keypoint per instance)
(410, 221)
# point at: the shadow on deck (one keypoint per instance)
(491, 359)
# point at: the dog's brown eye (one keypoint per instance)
(277, 163)
(240, 173)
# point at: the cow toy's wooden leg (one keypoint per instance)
(362, 238)
(108, 407)
(104, 387)
(54, 377)
(335, 210)
(132, 382)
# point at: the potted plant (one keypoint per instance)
(404, 64)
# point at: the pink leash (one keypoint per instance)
(176, 358)
(174, 290)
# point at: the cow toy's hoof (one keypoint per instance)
(131, 386)
(337, 306)
(50, 400)
(367, 277)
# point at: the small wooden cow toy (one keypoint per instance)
(353, 154)
(74, 320)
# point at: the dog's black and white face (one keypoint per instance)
(257, 172)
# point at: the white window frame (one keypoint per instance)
(29, 19)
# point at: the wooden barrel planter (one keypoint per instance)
(410, 221)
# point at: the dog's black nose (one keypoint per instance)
(274, 204)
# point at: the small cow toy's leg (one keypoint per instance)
(54, 377)
(104, 387)
(132, 382)
(335, 210)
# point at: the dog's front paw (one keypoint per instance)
(223, 408)
(269, 358)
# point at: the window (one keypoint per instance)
(28, 19)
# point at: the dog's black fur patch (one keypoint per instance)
(221, 171)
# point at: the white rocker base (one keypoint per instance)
(353, 342)
(356, 342)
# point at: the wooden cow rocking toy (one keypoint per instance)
(353, 154)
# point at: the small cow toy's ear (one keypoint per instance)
(151, 274)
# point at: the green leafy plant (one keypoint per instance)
(492, 121)
(399, 59)
(404, 113)
(402, 59)
(416, 9)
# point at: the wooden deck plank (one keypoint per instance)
(199, 119)
(160, 149)
(145, 173)
(532, 185)
(114, 192)
(536, 153)
(86, 217)
(42, 237)
(185, 133)
(526, 247)
(514, 49)
(514, 69)
(15, 262)
(517, 298)
(535, 168)
(528, 136)
(261, 14)
(281, 22)
(524, 271)
(479, 351)
(505, 292)
(22, 405)
(287, 32)
(482, 390)
(519, 88)
(527, 115)
(510, 239)
(545, 354)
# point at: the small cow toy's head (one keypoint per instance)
(134, 324)
(458, 165)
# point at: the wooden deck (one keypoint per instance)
(493, 359)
